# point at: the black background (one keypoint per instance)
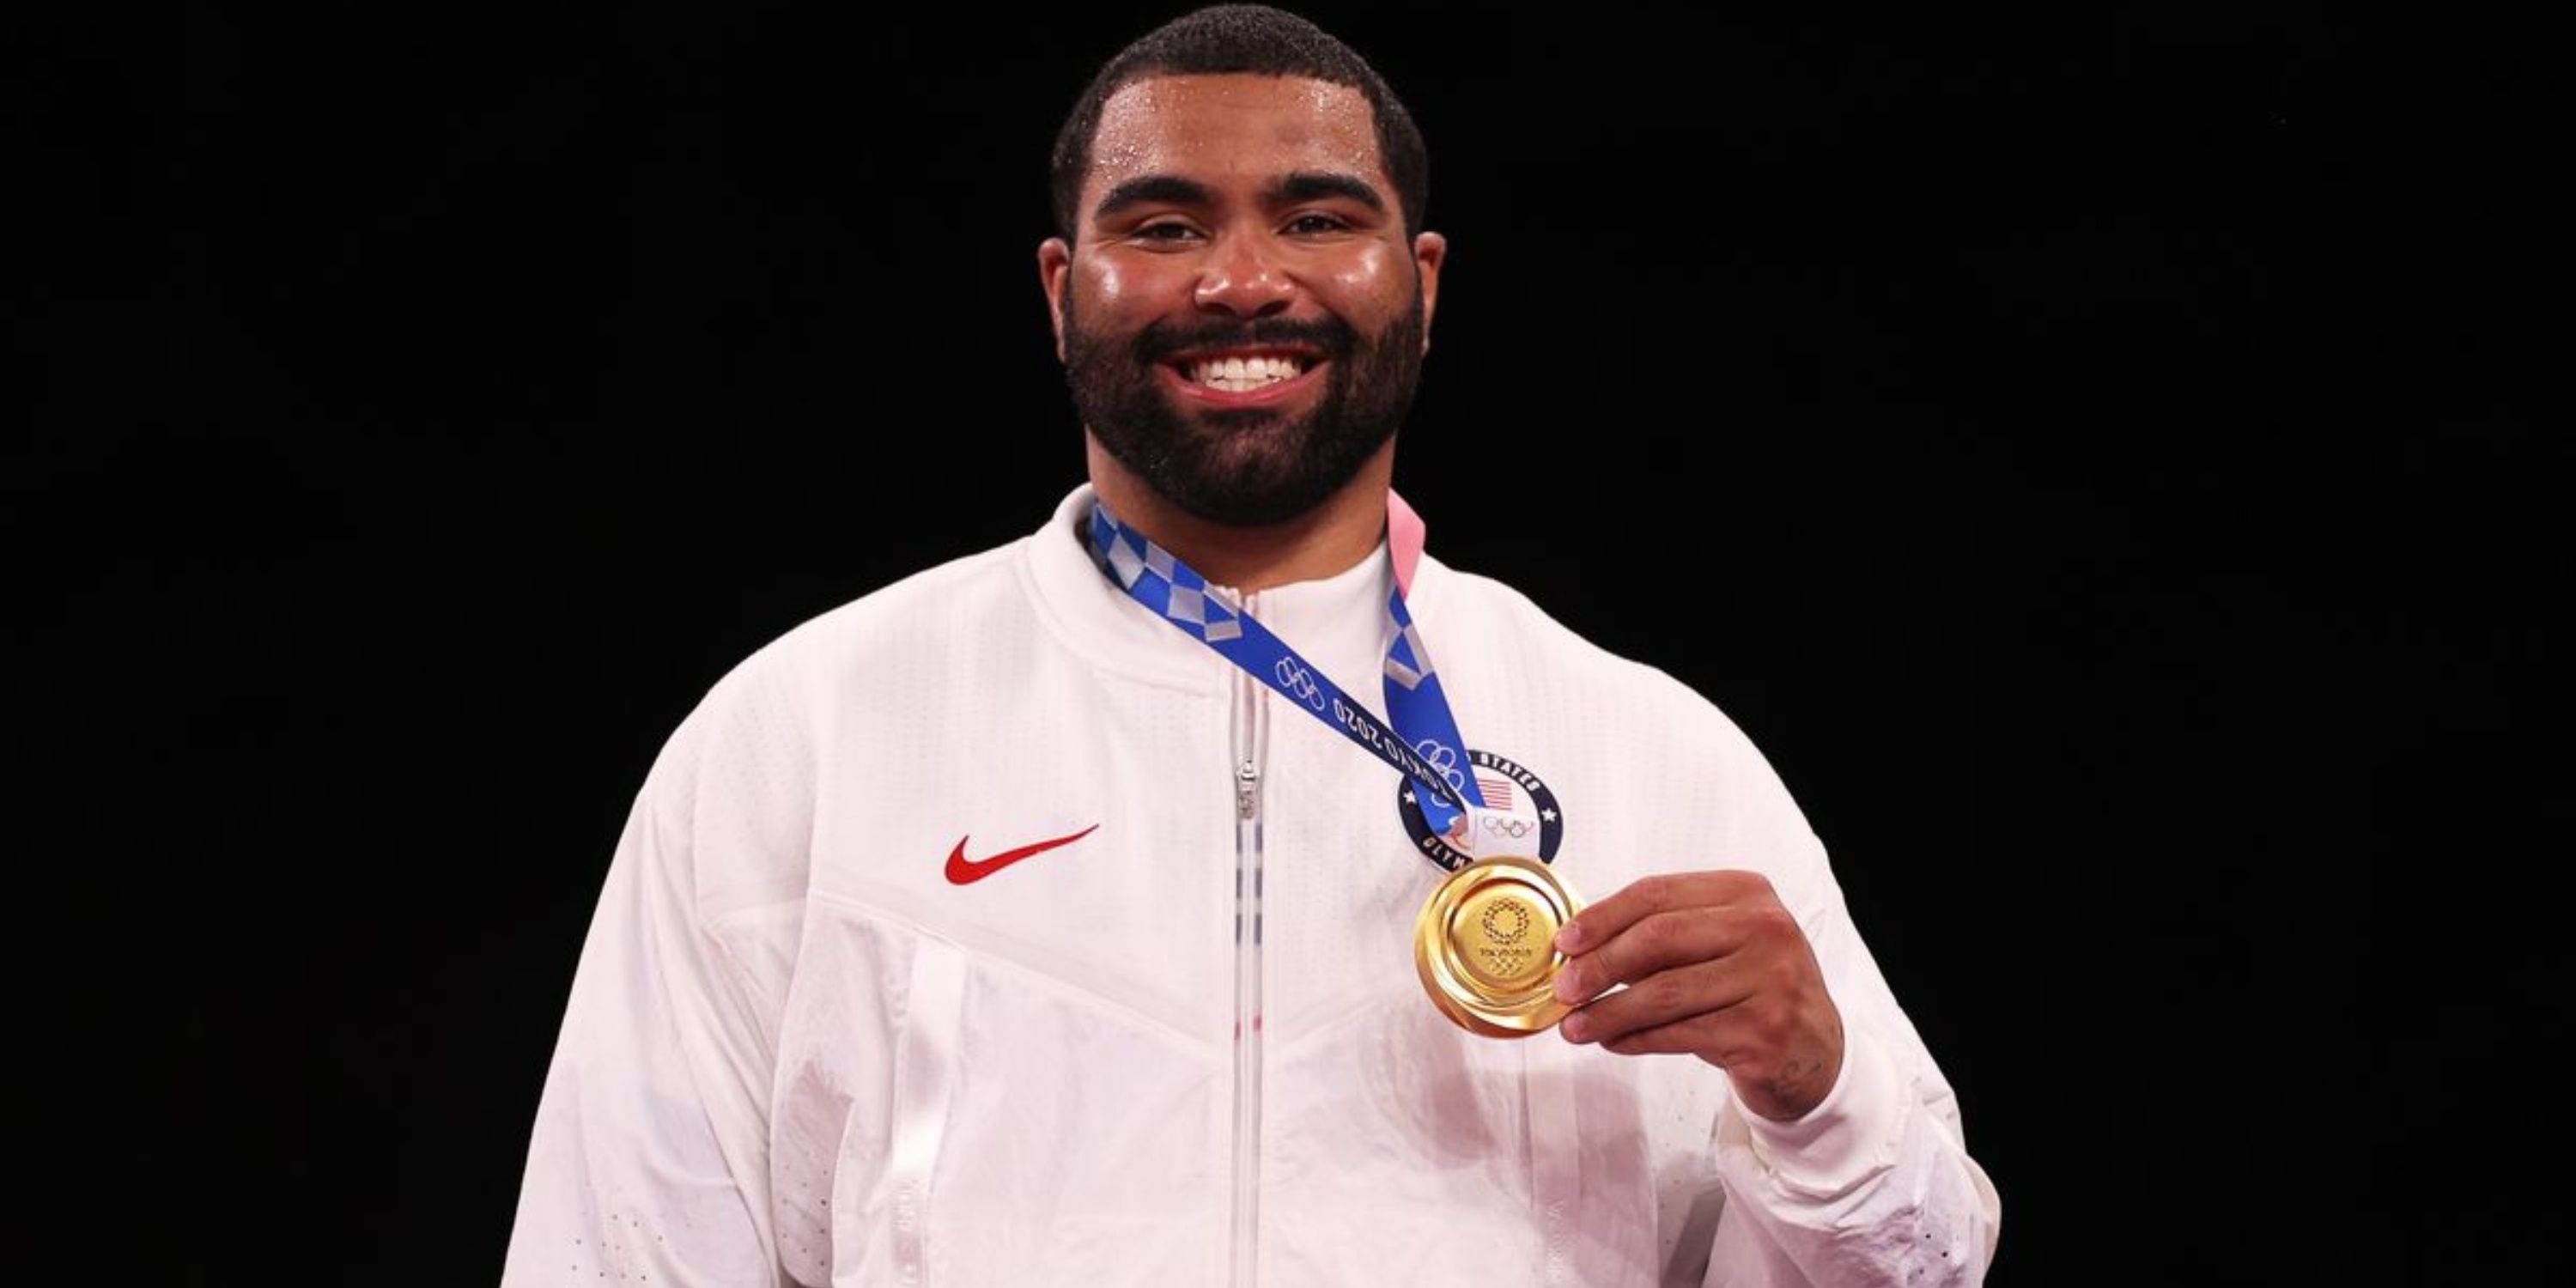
(2103, 450)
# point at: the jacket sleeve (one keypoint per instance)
(649, 1159)
(1875, 1184)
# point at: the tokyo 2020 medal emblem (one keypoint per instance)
(1485, 946)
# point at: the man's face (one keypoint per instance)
(1241, 317)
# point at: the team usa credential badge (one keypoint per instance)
(1516, 796)
(1485, 942)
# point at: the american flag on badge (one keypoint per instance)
(1498, 792)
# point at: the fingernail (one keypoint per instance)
(1570, 938)
(1577, 1027)
(1569, 985)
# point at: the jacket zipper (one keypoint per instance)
(1250, 740)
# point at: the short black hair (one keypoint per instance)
(1243, 38)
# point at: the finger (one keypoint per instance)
(1728, 1037)
(1694, 1035)
(1659, 942)
(1663, 999)
(1647, 896)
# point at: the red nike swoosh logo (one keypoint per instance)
(962, 872)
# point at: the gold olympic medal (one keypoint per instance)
(1486, 946)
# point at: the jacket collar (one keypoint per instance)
(1337, 622)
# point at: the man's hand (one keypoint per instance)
(1716, 967)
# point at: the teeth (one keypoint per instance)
(1238, 374)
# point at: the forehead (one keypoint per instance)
(1210, 127)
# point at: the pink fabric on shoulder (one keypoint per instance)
(1404, 535)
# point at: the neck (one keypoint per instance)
(1319, 543)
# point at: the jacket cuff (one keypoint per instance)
(1850, 1135)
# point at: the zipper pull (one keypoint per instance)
(1247, 783)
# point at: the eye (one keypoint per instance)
(1316, 222)
(1164, 230)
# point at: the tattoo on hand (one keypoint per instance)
(1784, 1085)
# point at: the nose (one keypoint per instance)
(1243, 275)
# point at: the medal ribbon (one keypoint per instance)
(1424, 744)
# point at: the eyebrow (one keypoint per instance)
(1307, 185)
(1164, 188)
(1303, 185)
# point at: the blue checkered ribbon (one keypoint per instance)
(1424, 745)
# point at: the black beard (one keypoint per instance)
(1245, 466)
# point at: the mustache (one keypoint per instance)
(1330, 334)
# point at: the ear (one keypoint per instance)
(1055, 267)
(1430, 250)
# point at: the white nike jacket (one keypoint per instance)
(799, 1050)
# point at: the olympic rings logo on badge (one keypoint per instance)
(1515, 828)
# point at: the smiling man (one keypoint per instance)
(1244, 322)
(1129, 904)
